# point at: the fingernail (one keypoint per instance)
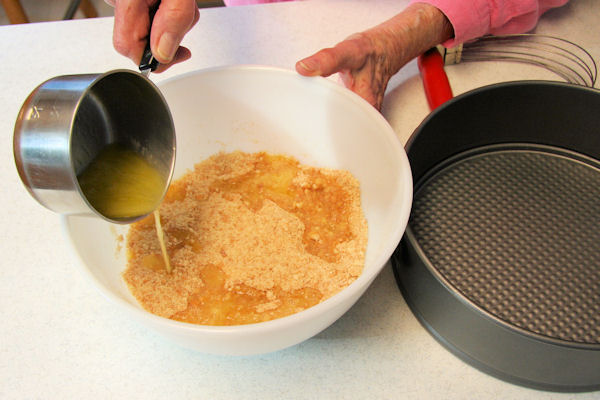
(309, 65)
(167, 46)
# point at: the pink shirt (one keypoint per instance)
(474, 18)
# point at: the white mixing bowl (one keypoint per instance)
(252, 109)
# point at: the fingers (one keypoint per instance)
(173, 19)
(181, 54)
(359, 66)
(347, 55)
(131, 28)
(369, 85)
(366, 61)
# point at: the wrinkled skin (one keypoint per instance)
(365, 61)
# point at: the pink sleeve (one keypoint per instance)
(247, 2)
(475, 18)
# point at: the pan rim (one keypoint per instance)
(494, 86)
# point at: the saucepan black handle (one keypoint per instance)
(148, 61)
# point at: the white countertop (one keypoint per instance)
(59, 338)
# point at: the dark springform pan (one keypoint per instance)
(501, 258)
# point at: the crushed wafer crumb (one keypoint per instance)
(251, 237)
(120, 242)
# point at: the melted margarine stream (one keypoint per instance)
(161, 240)
(120, 184)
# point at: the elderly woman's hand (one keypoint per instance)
(173, 19)
(366, 61)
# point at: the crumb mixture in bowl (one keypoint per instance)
(250, 238)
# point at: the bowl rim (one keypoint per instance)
(360, 284)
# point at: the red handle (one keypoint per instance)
(435, 81)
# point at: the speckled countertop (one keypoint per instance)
(60, 339)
